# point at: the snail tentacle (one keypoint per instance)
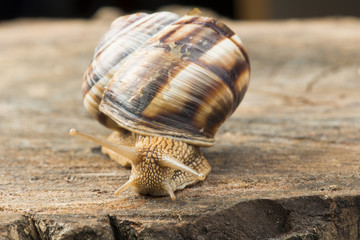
(167, 161)
(128, 152)
(129, 183)
(167, 187)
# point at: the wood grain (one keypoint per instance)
(288, 159)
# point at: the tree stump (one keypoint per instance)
(286, 164)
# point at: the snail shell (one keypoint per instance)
(166, 79)
(126, 34)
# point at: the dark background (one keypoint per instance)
(237, 9)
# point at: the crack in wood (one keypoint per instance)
(114, 227)
(322, 75)
(307, 216)
(34, 231)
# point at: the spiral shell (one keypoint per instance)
(126, 34)
(163, 75)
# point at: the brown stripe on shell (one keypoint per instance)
(219, 108)
(167, 88)
(124, 37)
(185, 45)
(243, 77)
(165, 58)
(175, 33)
(212, 23)
(194, 39)
(216, 106)
(236, 40)
(224, 60)
(228, 71)
(242, 83)
(119, 26)
(172, 29)
(198, 44)
(181, 97)
(153, 66)
(128, 39)
(246, 56)
(200, 108)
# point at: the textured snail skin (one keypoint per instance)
(150, 176)
(165, 84)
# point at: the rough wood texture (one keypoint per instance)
(285, 166)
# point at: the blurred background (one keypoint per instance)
(235, 9)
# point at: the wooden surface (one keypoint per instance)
(286, 164)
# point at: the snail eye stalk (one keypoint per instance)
(128, 152)
(129, 183)
(167, 161)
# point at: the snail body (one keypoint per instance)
(164, 84)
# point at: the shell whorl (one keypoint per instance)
(126, 34)
(183, 82)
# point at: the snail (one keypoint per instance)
(164, 84)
